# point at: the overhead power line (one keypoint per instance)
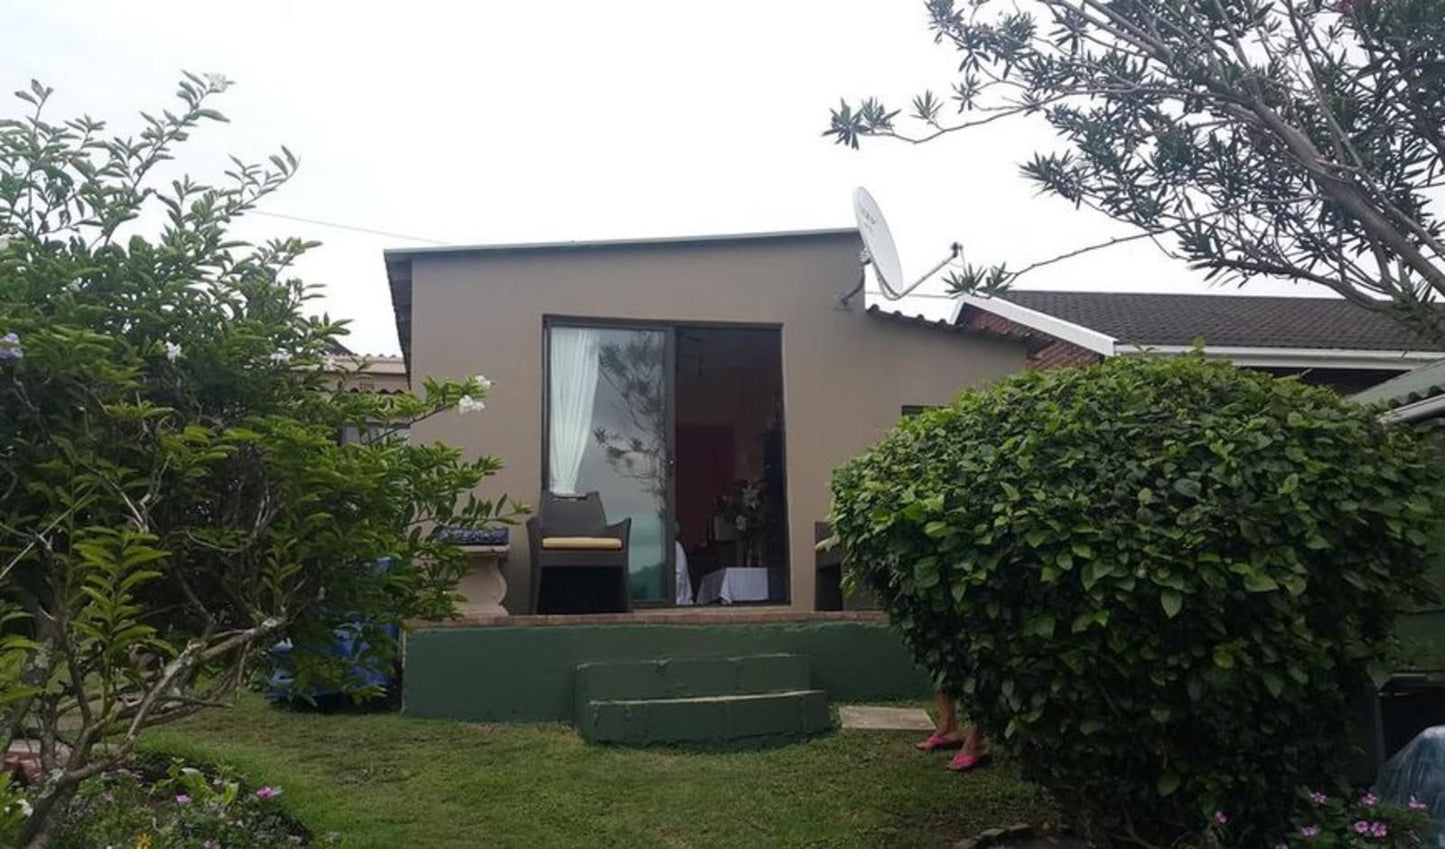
(350, 227)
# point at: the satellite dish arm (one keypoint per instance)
(955, 251)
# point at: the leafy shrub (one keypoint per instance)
(1163, 580)
(174, 498)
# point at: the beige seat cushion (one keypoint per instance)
(582, 543)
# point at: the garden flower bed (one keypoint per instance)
(162, 802)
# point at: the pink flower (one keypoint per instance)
(1362, 827)
(1281, 845)
(183, 799)
(1310, 831)
(1417, 805)
(1369, 800)
(268, 792)
(1221, 817)
(1319, 798)
(1379, 830)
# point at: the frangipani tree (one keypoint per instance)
(173, 495)
(1301, 139)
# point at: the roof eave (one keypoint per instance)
(1274, 357)
(1084, 337)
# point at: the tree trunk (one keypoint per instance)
(49, 808)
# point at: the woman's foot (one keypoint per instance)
(966, 760)
(937, 742)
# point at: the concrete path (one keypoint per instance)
(871, 718)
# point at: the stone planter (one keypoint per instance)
(484, 585)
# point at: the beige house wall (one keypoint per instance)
(846, 373)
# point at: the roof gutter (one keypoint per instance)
(1340, 358)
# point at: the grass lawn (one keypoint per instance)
(381, 780)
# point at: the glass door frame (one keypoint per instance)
(669, 386)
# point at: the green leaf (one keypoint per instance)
(1091, 726)
(1168, 783)
(1083, 550)
(1187, 486)
(1257, 582)
(1041, 625)
(1172, 601)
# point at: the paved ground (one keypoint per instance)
(870, 718)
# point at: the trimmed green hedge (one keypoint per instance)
(1161, 579)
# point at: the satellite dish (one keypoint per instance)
(878, 240)
(880, 251)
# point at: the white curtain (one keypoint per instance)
(572, 394)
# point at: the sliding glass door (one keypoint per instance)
(609, 430)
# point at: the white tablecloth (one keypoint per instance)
(730, 585)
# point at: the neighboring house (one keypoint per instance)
(1328, 341)
(1416, 698)
(382, 374)
(661, 373)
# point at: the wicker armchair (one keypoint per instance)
(579, 561)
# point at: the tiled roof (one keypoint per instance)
(1244, 321)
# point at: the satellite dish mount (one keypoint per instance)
(880, 252)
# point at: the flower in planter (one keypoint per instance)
(182, 799)
(1379, 830)
(1369, 800)
(268, 792)
(1361, 827)
(1417, 805)
(1310, 831)
(1221, 818)
(1319, 798)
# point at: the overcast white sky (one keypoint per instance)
(493, 122)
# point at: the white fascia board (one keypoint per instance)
(1093, 340)
(1340, 358)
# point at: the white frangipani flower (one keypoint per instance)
(25, 809)
(483, 381)
(173, 351)
(74, 285)
(218, 82)
(281, 357)
(468, 404)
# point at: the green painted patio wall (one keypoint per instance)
(524, 674)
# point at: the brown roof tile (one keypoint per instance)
(1246, 321)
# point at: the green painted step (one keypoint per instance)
(730, 721)
(688, 677)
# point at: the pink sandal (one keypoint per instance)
(937, 742)
(963, 762)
